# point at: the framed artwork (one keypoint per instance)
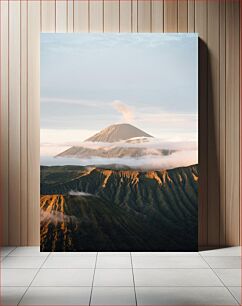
(119, 142)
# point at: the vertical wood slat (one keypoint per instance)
(222, 120)
(183, 16)
(48, 16)
(213, 124)
(4, 123)
(144, 15)
(24, 125)
(111, 16)
(125, 16)
(14, 121)
(171, 15)
(81, 16)
(134, 16)
(70, 16)
(157, 16)
(96, 16)
(240, 126)
(191, 15)
(61, 16)
(33, 122)
(232, 122)
(201, 28)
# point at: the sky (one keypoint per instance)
(90, 81)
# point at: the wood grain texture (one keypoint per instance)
(157, 16)
(213, 123)
(4, 123)
(48, 16)
(171, 15)
(33, 122)
(96, 16)
(111, 16)
(61, 16)
(81, 16)
(240, 129)
(232, 122)
(24, 123)
(144, 15)
(217, 23)
(125, 22)
(191, 15)
(201, 28)
(14, 121)
(182, 16)
(222, 121)
(134, 15)
(70, 16)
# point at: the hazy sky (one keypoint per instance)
(90, 81)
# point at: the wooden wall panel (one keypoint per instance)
(191, 15)
(81, 16)
(33, 122)
(144, 15)
(24, 123)
(217, 23)
(201, 28)
(171, 15)
(125, 22)
(240, 124)
(213, 123)
(14, 121)
(111, 16)
(157, 14)
(48, 16)
(134, 15)
(182, 16)
(4, 122)
(232, 122)
(61, 16)
(70, 16)
(222, 120)
(96, 16)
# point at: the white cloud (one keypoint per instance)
(80, 193)
(136, 142)
(55, 141)
(149, 162)
(165, 121)
(126, 111)
(56, 217)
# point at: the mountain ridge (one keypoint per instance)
(117, 132)
(126, 135)
(118, 210)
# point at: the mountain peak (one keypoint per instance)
(117, 132)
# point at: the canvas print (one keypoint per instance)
(119, 142)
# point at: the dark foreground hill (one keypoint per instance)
(118, 210)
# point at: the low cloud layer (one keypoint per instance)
(50, 149)
(148, 162)
(56, 217)
(79, 193)
(141, 142)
